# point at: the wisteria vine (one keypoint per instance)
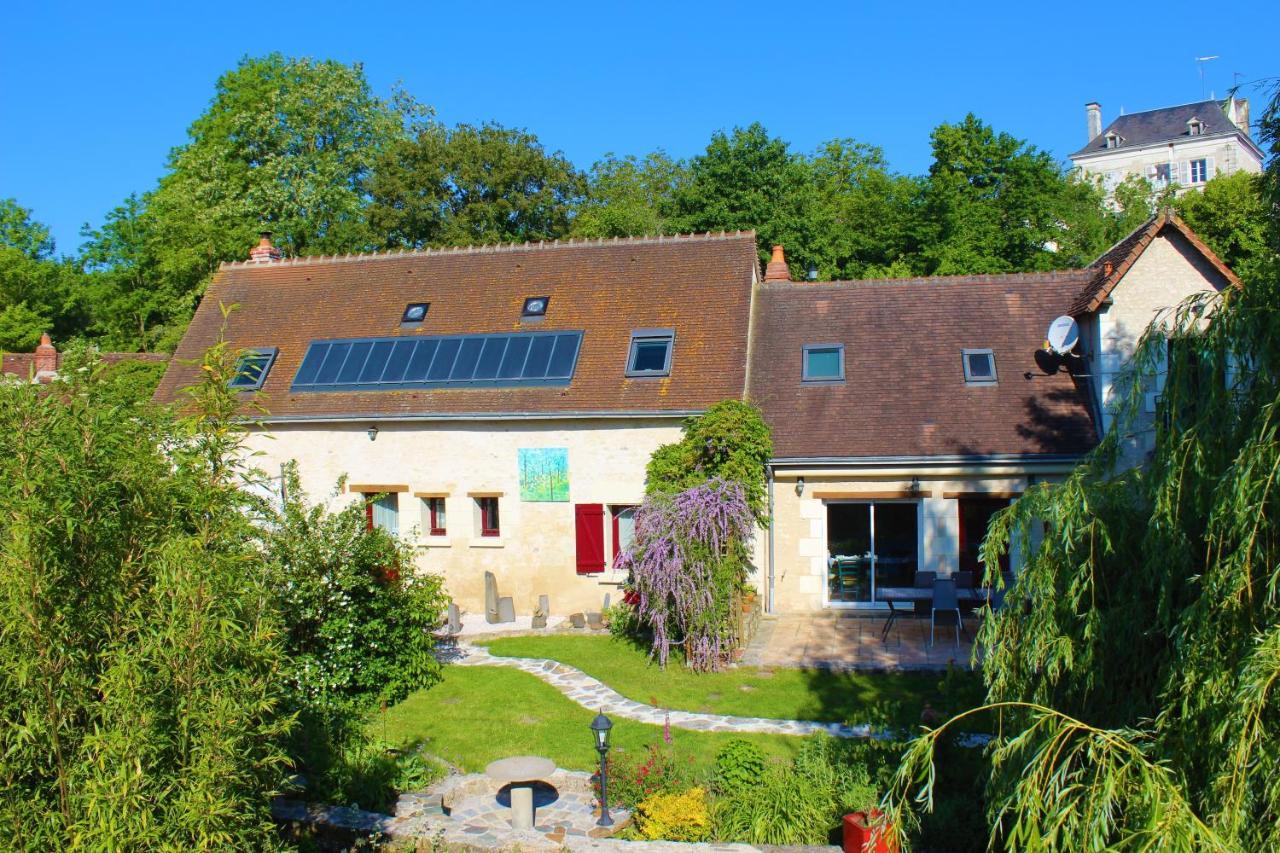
(687, 558)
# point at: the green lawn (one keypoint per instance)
(896, 698)
(479, 714)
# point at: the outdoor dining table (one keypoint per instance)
(903, 598)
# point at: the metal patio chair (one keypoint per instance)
(945, 602)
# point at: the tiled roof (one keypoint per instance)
(700, 286)
(1168, 124)
(1112, 265)
(905, 392)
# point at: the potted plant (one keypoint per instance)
(860, 828)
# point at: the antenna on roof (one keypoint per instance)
(1201, 60)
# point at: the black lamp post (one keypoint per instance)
(600, 728)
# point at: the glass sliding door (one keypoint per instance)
(870, 544)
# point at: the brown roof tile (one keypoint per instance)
(22, 364)
(699, 285)
(904, 392)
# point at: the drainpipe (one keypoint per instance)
(768, 600)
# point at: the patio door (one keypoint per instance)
(870, 544)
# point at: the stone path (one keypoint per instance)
(595, 695)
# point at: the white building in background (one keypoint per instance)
(1184, 145)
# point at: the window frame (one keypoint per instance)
(405, 319)
(437, 515)
(804, 363)
(526, 314)
(969, 378)
(615, 512)
(253, 352)
(641, 336)
(393, 504)
(1204, 170)
(486, 531)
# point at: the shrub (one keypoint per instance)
(359, 628)
(683, 816)
(656, 770)
(782, 807)
(740, 764)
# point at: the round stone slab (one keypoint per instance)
(521, 768)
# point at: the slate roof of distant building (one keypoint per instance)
(1167, 124)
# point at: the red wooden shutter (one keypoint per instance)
(589, 521)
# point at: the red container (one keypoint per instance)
(857, 833)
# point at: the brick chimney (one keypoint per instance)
(46, 359)
(777, 269)
(1093, 112)
(264, 252)
(1238, 112)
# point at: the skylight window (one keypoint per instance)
(252, 369)
(415, 312)
(979, 366)
(650, 353)
(823, 363)
(535, 306)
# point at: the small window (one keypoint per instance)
(1195, 127)
(979, 366)
(433, 516)
(252, 369)
(382, 511)
(415, 312)
(1113, 140)
(535, 306)
(1199, 171)
(624, 528)
(1162, 174)
(823, 363)
(650, 353)
(487, 512)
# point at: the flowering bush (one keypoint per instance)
(688, 558)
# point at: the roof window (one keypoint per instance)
(650, 353)
(535, 306)
(415, 312)
(823, 363)
(252, 368)
(979, 366)
(1195, 127)
(1113, 139)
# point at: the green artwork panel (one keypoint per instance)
(544, 474)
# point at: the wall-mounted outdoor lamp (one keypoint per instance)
(914, 488)
(600, 730)
(799, 487)
(372, 432)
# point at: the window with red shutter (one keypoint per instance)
(589, 522)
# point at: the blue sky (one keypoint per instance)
(92, 97)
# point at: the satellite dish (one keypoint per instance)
(1063, 335)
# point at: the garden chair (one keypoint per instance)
(945, 602)
(923, 580)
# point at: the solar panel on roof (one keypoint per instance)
(443, 361)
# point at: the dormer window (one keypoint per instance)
(1113, 139)
(252, 369)
(979, 366)
(1195, 127)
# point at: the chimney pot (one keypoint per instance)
(46, 358)
(1093, 112)
(265, 252)
(777, 269)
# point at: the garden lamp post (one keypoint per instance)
(600, 729)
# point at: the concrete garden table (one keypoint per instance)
(521, 772)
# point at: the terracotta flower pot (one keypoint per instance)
(858, 828)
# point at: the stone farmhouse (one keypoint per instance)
(1184, 145)
(504, 400)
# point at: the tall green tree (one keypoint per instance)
(629, 196)
(747, 180)
(994, 204)
(1230, 215)
(38, 292)
(468, 184)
